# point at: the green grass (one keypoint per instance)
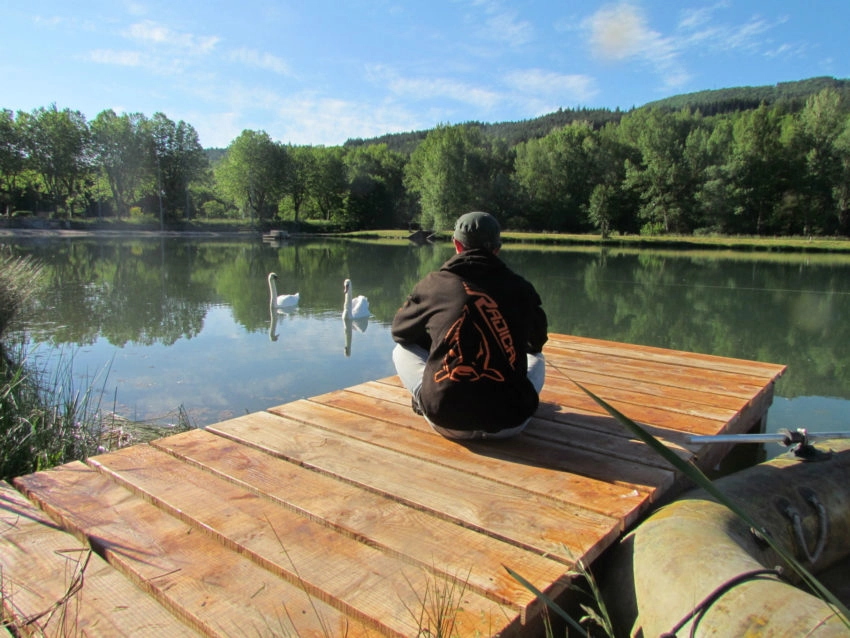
(708, 243)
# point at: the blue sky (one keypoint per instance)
(322, 71)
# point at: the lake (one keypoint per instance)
(161, 323)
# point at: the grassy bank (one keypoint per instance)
(837, 245)
(668, 242)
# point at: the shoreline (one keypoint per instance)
(73, 232)
(754, 245)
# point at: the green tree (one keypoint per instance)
(177, 159)
(448, 172)
(11, 159)
(58, 149)
(328, 184)
(252, 174)
(663, 177)
(555, 174)
(841, 189)
(296, 184)
(755, 169)
(713, 198)
(601, 208)
(119, 144)
(822, 121)
(376, 192)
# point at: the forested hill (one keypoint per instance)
(792, 95)
(511, 132)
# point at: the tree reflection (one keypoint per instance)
(790, 309)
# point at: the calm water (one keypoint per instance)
(165, 322)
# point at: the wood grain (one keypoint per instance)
(344, 514)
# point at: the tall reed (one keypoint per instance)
(44, 420)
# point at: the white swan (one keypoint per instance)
(280, 301)
(356, 308)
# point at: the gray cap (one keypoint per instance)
(478, 230)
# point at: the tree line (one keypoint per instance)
(776, 168)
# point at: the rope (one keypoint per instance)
(796, 522)
(699, 611)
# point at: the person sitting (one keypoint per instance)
(469, 339)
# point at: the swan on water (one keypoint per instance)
(280, 301)
(355, 308)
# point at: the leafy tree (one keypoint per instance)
(499, 193)
(755, 169)
(619, 203)
(712, 197)
(11, 159)
(554, 174)
(376, 191)
(601, 208)
(119, 144)
(296, 184)
(58, 149)
(841, 189)
(662, 177)
(178, 159)
(447, 172)
(252, 174)
(327, 182)
(822, 121)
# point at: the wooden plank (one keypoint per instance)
(390, 390)
(55, 585)
(706, 362)
(577, 466)
(358, 577)
(651, 387)
(571, 364)
(671, 415)
(492, 458)
(345, 511)
(219, 593)
(372, 518)
(528, 520)
(551, 424)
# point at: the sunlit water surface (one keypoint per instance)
(161, 323)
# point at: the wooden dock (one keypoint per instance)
(344, 515)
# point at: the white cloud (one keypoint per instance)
(745, 36)
(49, 21)
(265, 61)
(786, 51)
(504, 27)
(432, 88)
(694, 18)
(498, 24)
(562, 88)
(699, 28)
(621, 33)
(118, 58)
(153, 33)
(303, 119)
(315, 120)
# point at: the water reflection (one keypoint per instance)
(348, 325)
(181, 321)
